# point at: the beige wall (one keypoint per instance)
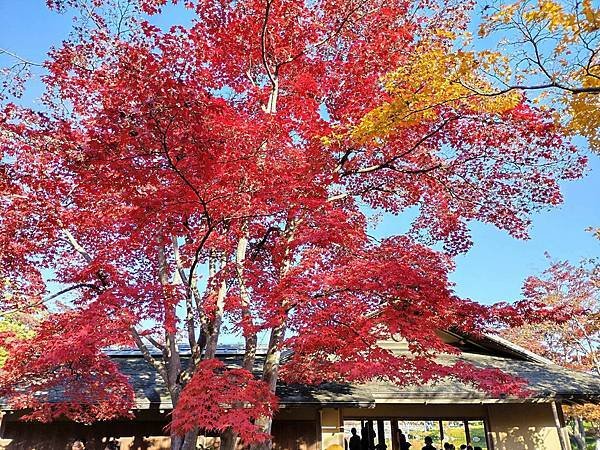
(294, 429)
(510, 427)
(523, 427)
(332, 430)
(513, 426)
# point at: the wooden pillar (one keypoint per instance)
(560, 426)
(370, 431)
(332, 432)
(489, 437)
(395, 435)
(380, 432)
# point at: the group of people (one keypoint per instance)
(429, 444)
(364, 442)
(367, 440)
(449, 446)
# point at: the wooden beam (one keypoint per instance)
(560, 427)
(395, 435)
(380, 432)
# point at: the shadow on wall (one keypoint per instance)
(520, 439)
(60, 435)
(138, 443)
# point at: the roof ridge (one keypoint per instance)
(184, 350)
(518, 349)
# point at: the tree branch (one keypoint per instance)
(28, 62)
(389, 163)
(158, 365)
(52, 297)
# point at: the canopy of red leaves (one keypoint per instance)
(218, 398)
(227, 145)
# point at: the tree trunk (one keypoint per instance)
(265, 424)
(267, 445)
(187, 442)
(270, 375)
(228, 440)
(580, 426)
(577, 441)
(578, 436)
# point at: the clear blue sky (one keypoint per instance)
(497, 264)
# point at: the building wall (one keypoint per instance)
(138, 435)
(294, 429)
(514, 426)
(523, 427)
(510, 427)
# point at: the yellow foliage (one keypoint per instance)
(431, 78)
(584, 110)
(559, 44)
(11, 325)
(553, 13)
(592, 16)
(588, 411)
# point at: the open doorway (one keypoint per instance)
(375, 434)
(384, 433)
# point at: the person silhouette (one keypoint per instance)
(404, 444)
(354, 443)
(429, 444)
(367, 437)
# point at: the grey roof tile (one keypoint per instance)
(546, 381)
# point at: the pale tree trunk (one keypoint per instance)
(273, 358)
(271, 366)
(580, 427)
(270, 375)
(229, 437)
(578, 435)
(214, 327)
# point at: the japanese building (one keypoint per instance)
(315, 418)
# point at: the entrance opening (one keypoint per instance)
(377, 433)
(384, 433)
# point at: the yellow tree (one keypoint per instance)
(15, 323)
(553, 48)
(17, 328)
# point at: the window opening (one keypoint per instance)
(384, 434)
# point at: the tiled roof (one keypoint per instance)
(546, 381)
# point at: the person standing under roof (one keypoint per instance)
(429, 444)
(354, 443)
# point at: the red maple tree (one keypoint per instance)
(574, 343)
(180, 180)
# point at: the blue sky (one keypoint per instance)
(495, 267)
